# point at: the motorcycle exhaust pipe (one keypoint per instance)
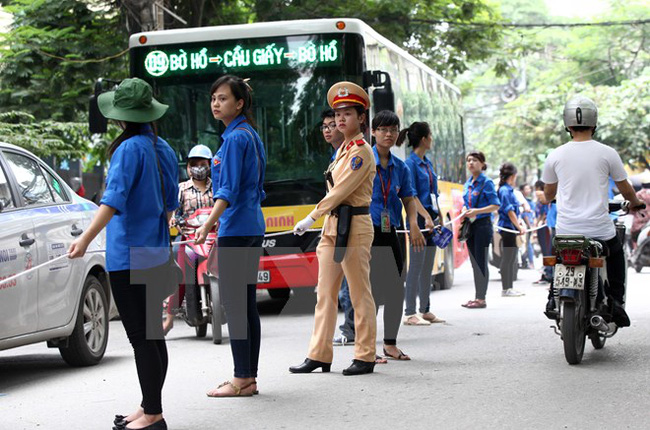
(599, 324)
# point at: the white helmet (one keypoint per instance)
(200, 151)
(580, 111)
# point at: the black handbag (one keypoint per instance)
(463, 232)
(171, 275)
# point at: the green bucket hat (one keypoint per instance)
(132, 101)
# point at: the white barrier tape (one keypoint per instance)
(525, 231)
(40, 266)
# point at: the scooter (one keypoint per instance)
(202, 303)
(640, 256)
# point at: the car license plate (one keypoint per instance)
(572, 277)
(263, 276)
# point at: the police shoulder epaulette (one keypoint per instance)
(349, 145)
(360, 142)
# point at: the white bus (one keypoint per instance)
(291, 65)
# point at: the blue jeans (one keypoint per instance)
(239, 259)
(347, 328)
(418, 279)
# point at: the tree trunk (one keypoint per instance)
(139, 15)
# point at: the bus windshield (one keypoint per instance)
(290, 82)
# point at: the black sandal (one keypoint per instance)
(401, 355)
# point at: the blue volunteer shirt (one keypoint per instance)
(397, 181)
(137, 237)
(480, 193)
(240, 164)
(508, 203)
(551, 216)
(423, 178)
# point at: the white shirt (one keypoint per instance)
(582, 171)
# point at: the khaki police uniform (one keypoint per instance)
(352, 173)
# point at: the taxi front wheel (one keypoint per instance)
(87, 343)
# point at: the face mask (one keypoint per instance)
(199, 173)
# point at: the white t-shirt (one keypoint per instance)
(582, 171)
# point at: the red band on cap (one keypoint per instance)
(350, 98)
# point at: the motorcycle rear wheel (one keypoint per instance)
(573, 333)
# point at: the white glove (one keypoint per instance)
(303, 226)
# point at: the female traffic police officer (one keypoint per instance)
(344, 248)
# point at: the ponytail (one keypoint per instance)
(415, 133)
(505, 172)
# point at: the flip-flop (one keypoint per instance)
(401, 355)
(380, 360)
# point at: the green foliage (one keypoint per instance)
(447, 49)
(44, 138)
(54, 52)
(604, 63)
(527, 129)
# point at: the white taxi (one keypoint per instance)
(65, 303)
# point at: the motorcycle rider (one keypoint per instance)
(641, 217)
(578, 174)
(193, 194)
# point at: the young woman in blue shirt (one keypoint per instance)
(480, 201)
(238, 179)
(508, 218)
(425, 184)
(137, 235)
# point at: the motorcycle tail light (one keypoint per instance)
(596, 262)
(571, 256)
(549, 260)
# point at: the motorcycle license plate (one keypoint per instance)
(263, 276)
(572, 277)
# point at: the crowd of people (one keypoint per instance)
(361, 260)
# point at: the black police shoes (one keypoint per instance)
(359, 367)
(309, 366)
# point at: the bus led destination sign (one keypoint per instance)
(171, 62)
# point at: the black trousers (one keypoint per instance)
(141, 313)
(508, 259)
(616, 269)
(477, 244)
(387, 280)
(239, 259)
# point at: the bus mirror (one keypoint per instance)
(382, 95)
(97, 123)
(383, 99)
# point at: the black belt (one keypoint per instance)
(359, 210)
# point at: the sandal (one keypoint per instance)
(476, 305)
(254, 387)
(468, 303)
(380, 360)
(428, 316)
(415, 320)
(238, 391)
(401, 355)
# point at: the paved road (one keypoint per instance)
(501, 367)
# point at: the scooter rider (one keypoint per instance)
(578, 173)
(193, 194)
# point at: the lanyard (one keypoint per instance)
(385, 190)
(426, 165)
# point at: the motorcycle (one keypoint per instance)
(202, 304)
(578, 302)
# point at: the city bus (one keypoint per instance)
(291, 65)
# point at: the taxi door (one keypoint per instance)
(60, 282)
(18, 298)
(55, 226)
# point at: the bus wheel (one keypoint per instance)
(445, 280)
